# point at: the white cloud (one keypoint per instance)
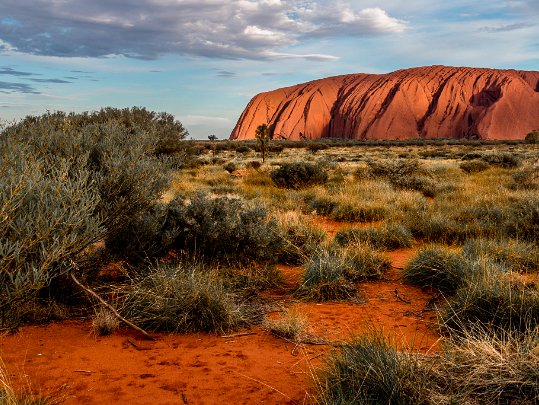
(148, 29)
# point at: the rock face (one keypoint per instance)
(427, 102)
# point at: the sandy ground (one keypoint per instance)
(246, 367)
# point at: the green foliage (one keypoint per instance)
(263, 136)
(532, 137)
(383, 237)
(369, 370)
(180, 298)
(299, 241)
(221, 228)
(298, 175)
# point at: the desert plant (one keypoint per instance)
(526, 178)
(221, 228)
(363, 263)
(324, 278)
(516, 255)
(180, 298)
(263, 136)
(495, 300)
(299, 239)
(230, 167)
(104, 322)
(8, 395)
(404, 174)
(474, 166)
(532, 137)
(250, 277)
(369, 370)
(298, 175)
(438, 267)
(358, 212)
(502, 159)
(292, 326)
(390, 236)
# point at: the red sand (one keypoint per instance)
(65, 358)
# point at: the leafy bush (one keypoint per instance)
(502, 159)
(298, 175)
(383, 237)
(438, 267)
(474, 166)
(532, 137)
(221, 228)
(369, 370)
(180, 298)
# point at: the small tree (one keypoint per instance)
(262, 137)
(212, 137)
(532, 137)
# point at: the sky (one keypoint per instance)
(203, 60)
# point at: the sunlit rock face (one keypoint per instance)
(426, 102)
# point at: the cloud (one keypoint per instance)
(148, 29)
(508, 27)
(18, 88)
(50, 81)
(13, 72)
(226, 74)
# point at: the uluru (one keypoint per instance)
(424, 102)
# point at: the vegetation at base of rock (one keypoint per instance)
(298, 175)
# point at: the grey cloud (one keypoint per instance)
(13, 72)
(507, 28)
(50, 81)
(18, 88)
(226, 74)
(148, 29)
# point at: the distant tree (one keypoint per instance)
(532, 137)
(262, 137)
(212, 137)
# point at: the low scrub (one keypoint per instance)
(383, 237)
(516, 255)
(292, 326)
(299, 239)
(180, 298)
(438, 267)
(474, 166)
(369, 370)
(298, 175)
(526, 178)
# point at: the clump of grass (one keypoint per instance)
(293, 326)
(438, 267)
(369, 370)
(180, 298)
(364, 263)
(299, 239)
(358, 212)
(474, 166)
(104, 322)
(388, 236)
(526, 178)
(250, 277)
(480, 368)
(516, 255)
(8, 395)
(496, 300)
(324, 278)
(298, 175)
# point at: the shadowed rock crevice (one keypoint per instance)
(430, 102)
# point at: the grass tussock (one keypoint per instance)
(180, 298)
(292, 326)
(104, 322)
(9, 396)
(299, 239)
(517, 255)
(387, 236)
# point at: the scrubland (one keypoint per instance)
(182, 236)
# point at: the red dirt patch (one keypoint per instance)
(332, 227)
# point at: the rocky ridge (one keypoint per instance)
(426, 102)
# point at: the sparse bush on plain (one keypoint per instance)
(298, 175)
(407, 174)
(474, 166)
(299, 239)
(526, 178)
(104, 322)
(382, 237)
(180, 298)
(438, 267)
(292, 326)
(516, 255)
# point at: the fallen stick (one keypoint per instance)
(238, 335)
(111, 308)
(84, 371)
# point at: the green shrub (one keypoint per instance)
(438, 267)
(223, 228)
(502, 159)
(298, 175)
(406, 174)
(474, 166)
(364, 263)
(180, 299)
(532, 137)
(369, 370)
(383, 237)
(516, 255)
(322, 205)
